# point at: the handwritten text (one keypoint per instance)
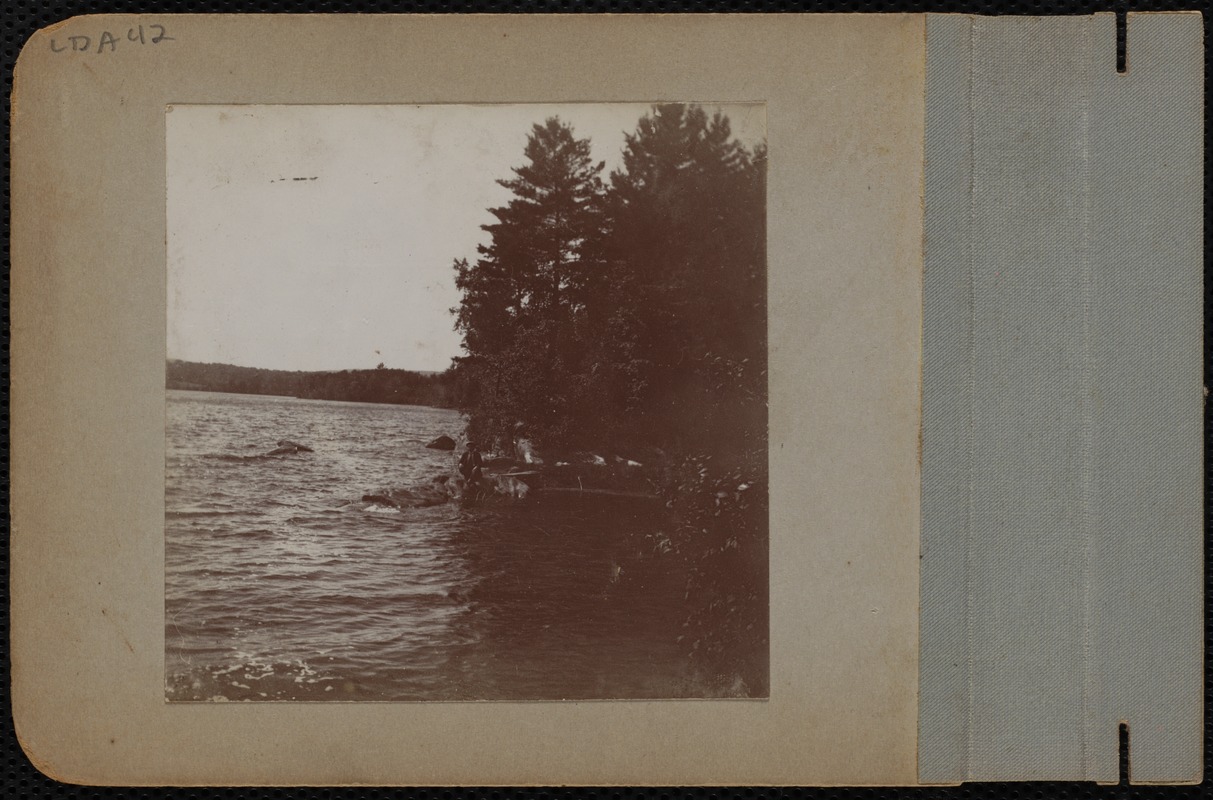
(108, 42)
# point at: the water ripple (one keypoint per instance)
(278, 587)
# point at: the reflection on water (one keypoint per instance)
(277, 588)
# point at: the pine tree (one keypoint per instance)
(688, 272)
(525, 300)
(634, 316)
(688, 263)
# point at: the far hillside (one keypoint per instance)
(380, 385)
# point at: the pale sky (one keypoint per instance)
(322, 237)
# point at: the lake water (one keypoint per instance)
(281, 585)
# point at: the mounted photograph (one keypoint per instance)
(466, 402)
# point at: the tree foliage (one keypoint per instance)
(626, 314)
(688, 271)
(526, 298)
(629, 316)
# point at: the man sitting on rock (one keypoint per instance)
(471, 467)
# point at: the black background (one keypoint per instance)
(19, 778)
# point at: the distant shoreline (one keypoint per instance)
(378, 386)
(305, 399)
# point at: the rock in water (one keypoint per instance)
(443, 442)
(437, 491)
(286, 447)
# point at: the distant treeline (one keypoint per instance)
(380, 385)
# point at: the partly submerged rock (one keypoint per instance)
(439, 490)
(286, 447)
(443, 442)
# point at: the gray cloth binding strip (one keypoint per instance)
(1061, 572)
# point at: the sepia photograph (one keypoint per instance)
(466, 402)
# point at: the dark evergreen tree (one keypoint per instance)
(688, 338)
(634, 320)
(526, 299)
(687, 312)
(634, 316)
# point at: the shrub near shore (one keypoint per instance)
(721, 532)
